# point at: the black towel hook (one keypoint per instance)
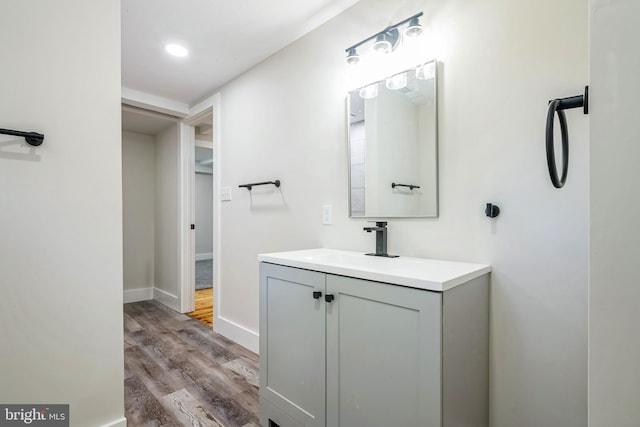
(557, 106)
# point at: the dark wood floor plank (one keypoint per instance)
(229, 379)
(157, 380)
(236, 349)
(142, 408)
(188, 410)
(208, 347)
(130, 323)
(166, 351)
(247, 369)
(179, 372)
(226, 410)
(248, 400)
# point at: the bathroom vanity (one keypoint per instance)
(348, 340)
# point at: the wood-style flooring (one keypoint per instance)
(204, 306)
(178, 372)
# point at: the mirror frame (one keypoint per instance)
(436, 154)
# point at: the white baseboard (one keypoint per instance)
(239, 334)
(135, 295)
(122, 422)
(204, 256)
(167, 299)
(147, 294)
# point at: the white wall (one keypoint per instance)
(138, 210)
(500, 65)
(204, 215)
(61, 208)
(167, 223)
(614, 294)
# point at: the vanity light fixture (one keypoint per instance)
(176, 50)
(388, 39)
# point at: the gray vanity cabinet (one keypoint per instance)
(369, 354)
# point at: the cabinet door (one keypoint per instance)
(292, 344)
(383, 355)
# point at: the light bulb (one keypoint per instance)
(352, 56)
(381, 45)
(414, 29)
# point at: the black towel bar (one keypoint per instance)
(248, 186)
(32, 138)
(411, 186)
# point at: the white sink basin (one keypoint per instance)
(428, 274)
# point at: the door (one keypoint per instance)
(292, 345)
(383, 355)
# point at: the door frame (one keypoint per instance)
(187, 209)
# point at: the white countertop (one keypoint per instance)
(421, 273)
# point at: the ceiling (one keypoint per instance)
(224, 38)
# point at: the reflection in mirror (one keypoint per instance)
(393, 146)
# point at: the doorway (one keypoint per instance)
(200, 251)
(168, 273)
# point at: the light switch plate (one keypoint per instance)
(326, 214)
(225, 194)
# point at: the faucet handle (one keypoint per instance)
(380, 226)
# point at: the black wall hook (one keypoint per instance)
(492, 210)
(557, 106)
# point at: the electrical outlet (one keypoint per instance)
(225, 194)
(326, 214)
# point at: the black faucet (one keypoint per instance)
(381, 239)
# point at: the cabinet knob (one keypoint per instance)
(329, 298)
(317, 294)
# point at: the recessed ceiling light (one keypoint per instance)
(176, 50)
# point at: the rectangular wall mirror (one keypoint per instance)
(393, 146)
